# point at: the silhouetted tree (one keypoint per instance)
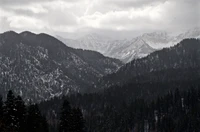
(21, 114)
(10, 113)
(77, 120)
(35, 121)
(66, 118)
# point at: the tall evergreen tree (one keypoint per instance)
(10, 113)
(35, 121)
(77, 121)
(1, 108)
(44, 124)
(21, 114)
(1, 115)
(66, 118)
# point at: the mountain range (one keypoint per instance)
(121, 96)
(128, 49)
(183, 56)
(39, 67)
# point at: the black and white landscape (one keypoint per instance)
(100, 66)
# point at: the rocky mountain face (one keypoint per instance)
(183, 56)
(127, 50)
(40, 66)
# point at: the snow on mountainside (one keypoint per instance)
(38, 66)
(185, 55)
(93, 42)
(127, 50)
(193, 33)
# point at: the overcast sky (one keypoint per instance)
(109, 17)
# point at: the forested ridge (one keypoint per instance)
(131, 106)
(16, 116)
(184, 55)
(177, 110)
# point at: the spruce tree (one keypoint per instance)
(21, 114)
(10, 113)
(66, 118)
(1, 115)
(44, 124)
(1, 108)
(35, 121)
(77, 121)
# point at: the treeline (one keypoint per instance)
(15, 116)
(174, 111)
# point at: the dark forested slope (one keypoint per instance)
(38, 66)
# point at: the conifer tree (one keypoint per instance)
(77, 121)
(66, 118)
(1, 115)
(44, 124)
(1, 108)
(35, 121)
(21, 114)
(10, 113)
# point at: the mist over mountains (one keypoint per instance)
(128, 49)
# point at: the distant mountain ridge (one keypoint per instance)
(185, 55)
(127, 50)
(39, 66)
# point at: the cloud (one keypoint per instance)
(123, 16)
(134, 3)
(125, 19)
(25, 22)
(119, 5)
(25, 2)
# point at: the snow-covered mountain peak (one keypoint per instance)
(95, 37)
(129, 49)
(138, 42)
(192, 33)
(161, 34)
